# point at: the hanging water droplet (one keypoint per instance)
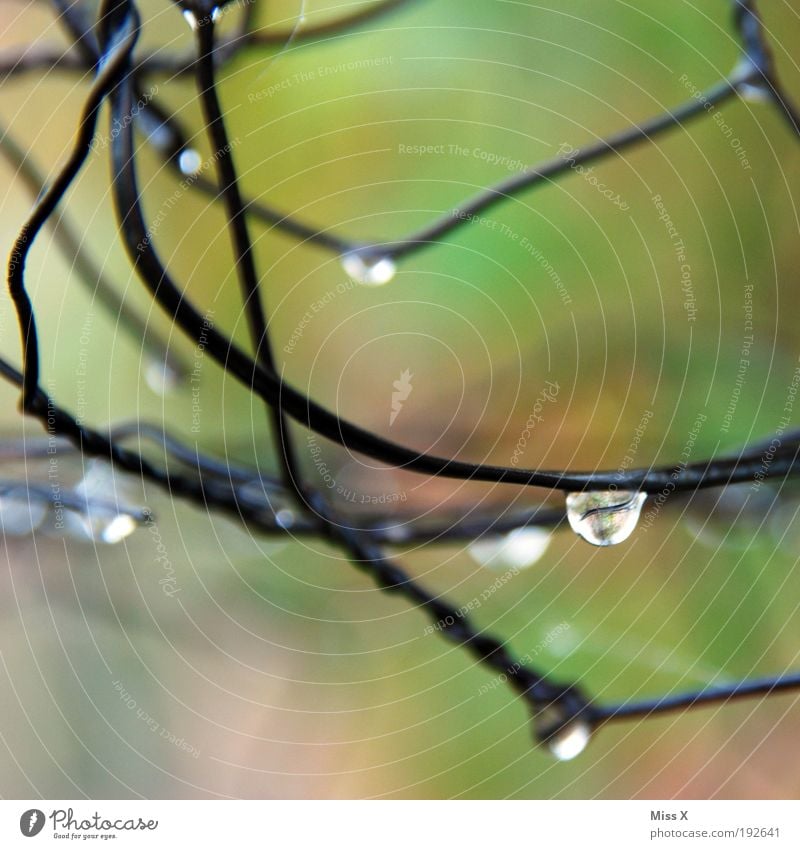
(517, 549)
(20, 515)
(102, 518)
(161, 377)
(757, 92)
(604, 518)
(752, 85)
(99, 524)
(190, 162)
(367, 270)
(284, 518)
(568, 742)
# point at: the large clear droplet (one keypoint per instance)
(161, 377)
(568, 742)
(367, 270)
(518, 549)
(190, 162)
(19, 514)
(604, 518)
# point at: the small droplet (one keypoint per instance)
(99, 524)
(570, 741)
(604, 518)
(190, 162)
(161, 377)
(369, 271)
(753, 87)
(396, 533)
(20, 515)
(755, 92)
(284, 518)
(518, 549)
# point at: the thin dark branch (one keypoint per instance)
(722, 693)
(91, 275)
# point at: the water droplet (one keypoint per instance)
(604, 518)
(161, 377)
(752, 85)
(19, 514)
(104, 519)
(367, 270)
(98, 524)
(396, 533)
(568, 742)
(284, 518)
(518, 549)
(754, 92)
(190, 162)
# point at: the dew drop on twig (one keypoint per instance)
(104, 519)
(568, 742)
(190, 162)
(161, 377)
(604, 518)
(368, 271)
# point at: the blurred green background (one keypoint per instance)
(278, 670)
